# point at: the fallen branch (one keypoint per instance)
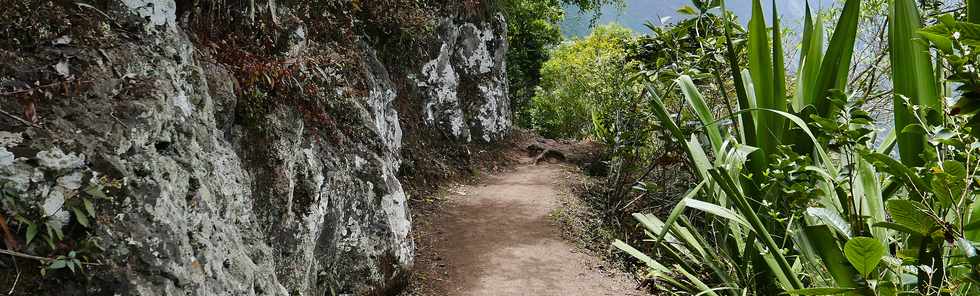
(17, 118)
(28, 256)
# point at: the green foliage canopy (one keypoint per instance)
(583, 82)
(532, 30)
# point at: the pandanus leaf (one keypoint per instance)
(912, 77)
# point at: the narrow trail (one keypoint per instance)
(497, 239)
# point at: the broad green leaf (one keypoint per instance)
(89, 207)
(825, 244)
(31, 232)
(955, 169)
(80, 216)
(911, 179)
(95, 191)
(942, 42)
(864, 253)
(831, 218)
(911, 215)
(57, 264)
(895, 226)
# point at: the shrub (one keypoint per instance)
(800, 200)
(584, 83)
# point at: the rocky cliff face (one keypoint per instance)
(233, 149)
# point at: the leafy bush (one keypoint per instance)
(532, 30)
(799, 198)
(583, 83)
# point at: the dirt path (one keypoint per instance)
(495, 238)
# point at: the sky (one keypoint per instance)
(637, 12)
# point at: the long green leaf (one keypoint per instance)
(884, 162)
(704, 113)
(660, 110)
(716, 210)
(640, 256)
(825, 157)
(807, 31)
(888, 143)
(809, 69)
(701, 162)
(697, 282)
(973, 11)
(746, 120)
(837, 61)
(833, 258)
(912, 77)
(658, 270)
(779, 79)
(760, 67)
(677, 211)
(689, 245)
(867, 195)
(728, 185)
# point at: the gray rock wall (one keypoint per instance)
(222, 189)
(471, 62)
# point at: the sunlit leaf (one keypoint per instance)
(864, 253)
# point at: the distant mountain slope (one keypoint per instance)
(637, 12)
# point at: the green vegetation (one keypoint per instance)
(61, 242)
(583, 82)
(532, 30)
(797, 190)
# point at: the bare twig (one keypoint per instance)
(113, 115)
(39, 258)
(16, 279)
(49, 85)
(23, 255)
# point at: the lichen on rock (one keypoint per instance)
(265, 162)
